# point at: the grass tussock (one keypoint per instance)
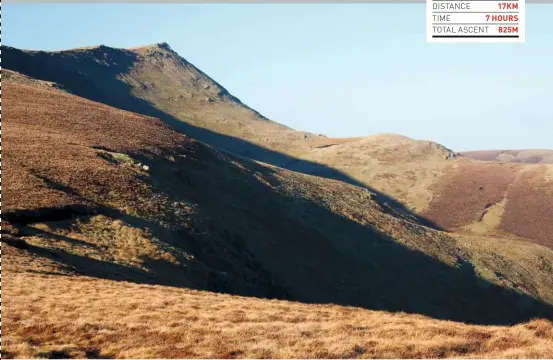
(101, 238)
(84, 317)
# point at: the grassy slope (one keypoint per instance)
(393, 164)
(455, 193)
(154, 80)
(199, 218)
(67, 316)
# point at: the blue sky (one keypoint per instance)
(337, 69)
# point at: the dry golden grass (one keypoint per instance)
(101, 238)
(74, 316)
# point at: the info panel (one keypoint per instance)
(497, 21)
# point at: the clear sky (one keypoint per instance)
(338, 69)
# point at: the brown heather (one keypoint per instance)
(529, 210)
(467, 190)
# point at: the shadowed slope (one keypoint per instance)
(425, 176)
(157, 207)
(156, 81)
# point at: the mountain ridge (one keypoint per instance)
(421, 178)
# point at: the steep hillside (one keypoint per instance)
(426, 178)
(121, 196)
(513, 156)
(100, 204)
(154, 80)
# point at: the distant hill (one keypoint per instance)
(449, 189)
(393, 164)
(513, 156)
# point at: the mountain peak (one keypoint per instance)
(156, 46)
(163, 45)
(102, 47)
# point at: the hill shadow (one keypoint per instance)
(94, 75)
(251, 239)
